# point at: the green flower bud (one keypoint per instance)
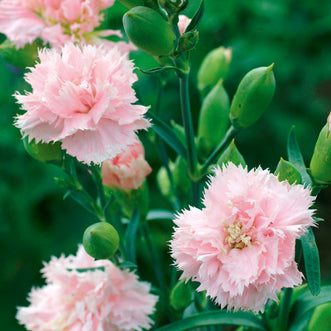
(101, 240)
(320, 164)
(22, 57)
(286, 171)
(252, 97)
(231, 154)
(181, 295)
(213, 118)
(131, 3)
(164, 182)
(147, 29)
(188, 41)
(214, 67)
(42, 151)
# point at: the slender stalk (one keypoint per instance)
(284, 310)
(98, 183)
(219, 149)
(187, 122)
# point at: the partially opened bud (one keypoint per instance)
(101, 240)
(252, 97)
(128, 169)
(44, 152)
(231, 154)
(320, 164)
(131, 3)
(213, 118)
(147, 29)
(286, 171)
(215, 66)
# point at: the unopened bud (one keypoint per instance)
(147, 29)
(213, 118)
(286, 171)
(181, 295)
(101, 240)
(252, 97)
(215, 66)
(320, 164)
(188, 41)
(231, 154)
(44, 152)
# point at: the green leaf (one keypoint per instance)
(130, 237)
(286, 171)
(215, 318)
(83, 199)
(305, 302)
(167, 134)
(312, 262)
(159, 214)
(157, 70)
(196, 18)
(295, 157)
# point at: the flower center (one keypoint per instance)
(236, 237)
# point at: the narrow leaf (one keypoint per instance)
(196, 18)
(82, 198)
(305, 302)
(295, 157)
(130, 237)
(159, 214)
(215, 318)
(312, 262)
(167, 134)
(157, 70)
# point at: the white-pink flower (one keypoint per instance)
(183, 22)
(54, 21)
(240, 246)
(104, 299)
(127, 170)
(84, 98)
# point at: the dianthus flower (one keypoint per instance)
(78, 298)
(128, 169)
(240, 247)
(84, 98)
(55, 22)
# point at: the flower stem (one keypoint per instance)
(187, 122)
(232, 131)
(284, 310)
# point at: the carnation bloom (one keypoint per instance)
(55, 21)
(240, 247)
(102, 299)
(128, 169)
(183, 22)
(82, 97)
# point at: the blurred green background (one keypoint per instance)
(35, 221)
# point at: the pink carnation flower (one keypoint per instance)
(104, 299)
(329, 122)
(183, 22)
(83, 98)
(127, 170)
(240, 247)
(54, 21)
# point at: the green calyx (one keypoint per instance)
(44, 152)
(101, 240)
(231, 154)
(320, 164)
(252, 97)
(286, 171)
(213, 119)
(215, 66)
(147, 29)
(181, 295)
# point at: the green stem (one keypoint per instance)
(187, 122)
(232, 131)
(155, 261)
(284, 310)
(98, 183)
